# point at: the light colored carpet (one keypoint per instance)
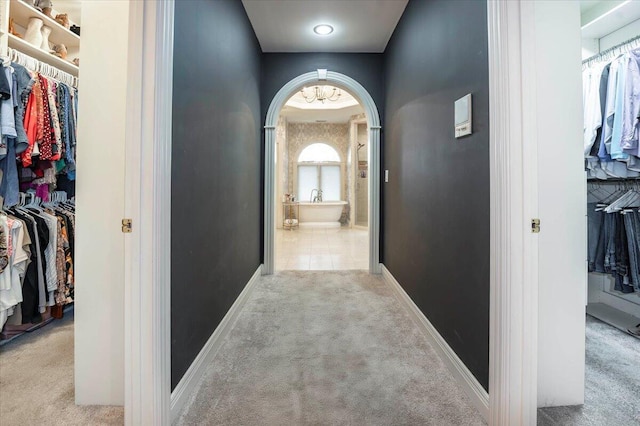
(326, 348)
(36, 381)
(612, 390)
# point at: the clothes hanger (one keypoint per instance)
(619, 190)
(610, 198)
(20, 207)
(35, 203)
(57, 198)
(630, 199)
(597, 191)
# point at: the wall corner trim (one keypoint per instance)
(465, 379)
(194, 374)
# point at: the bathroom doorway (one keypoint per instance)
(319, 158)
(272, 203)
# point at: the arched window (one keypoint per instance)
(318, 153)
(319, 168)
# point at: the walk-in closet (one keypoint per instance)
(39, 140)
(611, 90)
(611, 109)
(62, 188)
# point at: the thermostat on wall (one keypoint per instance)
(463, 116)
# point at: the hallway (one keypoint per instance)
(326, 348)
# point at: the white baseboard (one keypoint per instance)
(466, 380)
(191, 378)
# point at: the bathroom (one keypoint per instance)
(322, 182)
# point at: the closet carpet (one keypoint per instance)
(326, 348)
(36, 381)
(612, 388)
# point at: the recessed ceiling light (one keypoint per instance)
(323, 29)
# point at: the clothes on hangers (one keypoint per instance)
(611, 98)
(12, 276)
(39, 270)
(38, 126)
(23, 82)
(614, 241)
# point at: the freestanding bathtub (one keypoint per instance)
(323, 214)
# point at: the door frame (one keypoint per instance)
(514, 306)
(147, 248)
(373, 121)
(513, 334)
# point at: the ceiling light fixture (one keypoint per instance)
(323, 29)
(321, 94)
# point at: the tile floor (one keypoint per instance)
(321, 249)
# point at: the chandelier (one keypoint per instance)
(321, 94)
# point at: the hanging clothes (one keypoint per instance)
(38, 116)
(614, 241)
(38, 274)
(38, 125)
(611, 96)
(12, 276)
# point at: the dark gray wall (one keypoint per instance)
(436, 204)
(215, 172)
(279, 68)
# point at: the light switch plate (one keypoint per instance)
(463, 116)
(386, 175)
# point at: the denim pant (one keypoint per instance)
(632, 225)
(9, 187)
(595, 221)
(623, 267)
(608, 244)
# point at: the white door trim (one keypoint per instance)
(513, 157)
(373, 122)
(148, 204)
(513, 318)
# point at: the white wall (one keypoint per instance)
(620, 36)
(562, 204)
(590, 47)
(99, 305)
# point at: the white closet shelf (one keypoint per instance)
(39, 54)
(612, 316)
(21, 12)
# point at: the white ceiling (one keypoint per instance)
(588, 4)
(297, 115)
(344, 98)
(298, 110)
(359, 25)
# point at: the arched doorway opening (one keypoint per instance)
(373, 123)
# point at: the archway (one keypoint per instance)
(373, 123)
